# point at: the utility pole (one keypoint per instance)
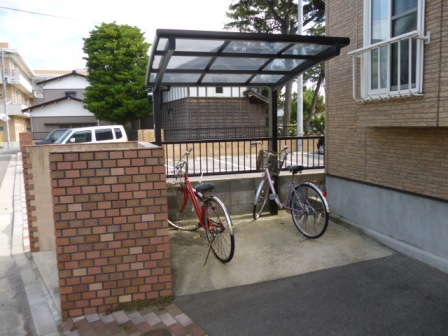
(300, 81)
(4, 83)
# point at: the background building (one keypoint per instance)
(16, 93)
(198, 113)
(59, 103)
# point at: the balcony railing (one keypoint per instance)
(15, 77)
(389, 69)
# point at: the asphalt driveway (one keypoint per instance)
(279, 283)
(392, 295)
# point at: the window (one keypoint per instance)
(118, 134)
(104, 134)
(81, 136)
(219, 90)
(392, 57)
(70, 94)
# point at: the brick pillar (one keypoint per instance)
(26, 140)
(112, 242)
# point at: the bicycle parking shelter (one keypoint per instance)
(191, 58)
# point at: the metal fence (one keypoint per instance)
(39, 135)
(213, 133)
(233, 156)
(236, 156)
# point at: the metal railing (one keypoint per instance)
(236, 156)
(39, 135)
(175, 134)
(389, 69)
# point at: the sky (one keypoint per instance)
(49, 34)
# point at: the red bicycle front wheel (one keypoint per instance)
(219, 229)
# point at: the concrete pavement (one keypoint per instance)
(278, 283)
(267, 249)
(44, 318)
(15, 315)
(38, 271)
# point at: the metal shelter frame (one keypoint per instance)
(188, 58)
(191, 58)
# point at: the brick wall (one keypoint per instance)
(111, 230)
(25, 142)
(39, 205)
(396, 143)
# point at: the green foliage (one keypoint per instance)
(261, 16)
(315, 120)
(312, 75)
(317, 124)
(273, 16)
(280, 16)
(117, 57)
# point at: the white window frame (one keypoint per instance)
(363, 55)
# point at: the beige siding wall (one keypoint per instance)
(397, 143)
(16, 126)
(410, 159)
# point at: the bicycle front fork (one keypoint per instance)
(274, 197)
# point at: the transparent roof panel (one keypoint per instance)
(217, 78)
(162, 44)
(306, 49)
(198, 45)
(181, 78)
(188, 62)
(204, 58)
(236, 63)
(157, 60)
(255, 47)
(283, 64)
(268, 79)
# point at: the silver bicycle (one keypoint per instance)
(306, 202)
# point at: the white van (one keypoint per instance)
(94, 134)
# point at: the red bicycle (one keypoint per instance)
(196, 207)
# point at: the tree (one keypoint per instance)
(117, 57)
(274, 16)
(313, 111)
(314, 75)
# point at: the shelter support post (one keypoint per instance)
(157, 108)
(274, 143)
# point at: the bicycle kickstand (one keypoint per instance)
(209, 249)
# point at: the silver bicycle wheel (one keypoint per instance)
(261, 198)
(308, 210)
